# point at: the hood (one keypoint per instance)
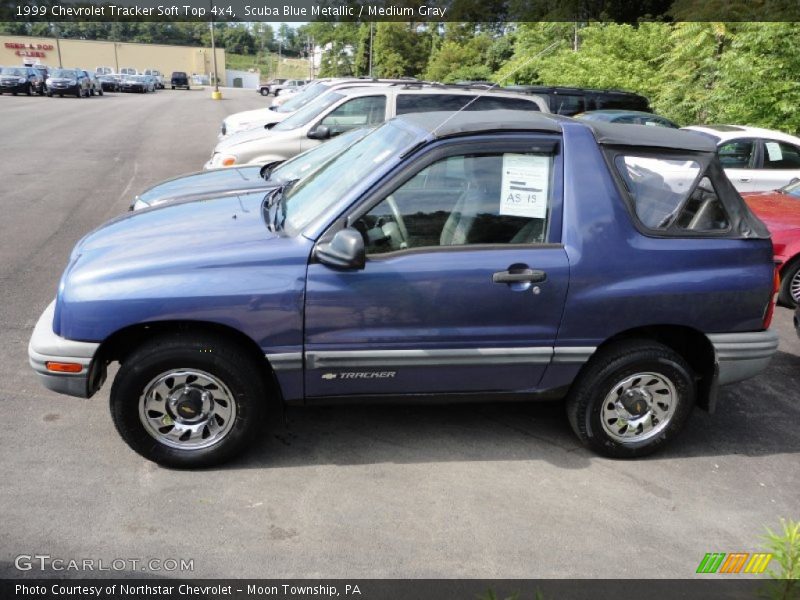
(241, 137)
(206, 184)
(212, 260)
(778, 210)
(258, 117)
(179, 231)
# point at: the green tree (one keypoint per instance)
(401, 50)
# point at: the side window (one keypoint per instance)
(368, 110)
(664, 194)
(737, 154)
(501, 198)
(411, 103)
(499, 102)
(569, 105)
(780, 155)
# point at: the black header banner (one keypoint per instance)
(420, 11)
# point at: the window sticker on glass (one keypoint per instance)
(774, 151)
(525, 186)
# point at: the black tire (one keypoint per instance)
(789, 274)
(607, 370)
(79, 93)
(100, 92)
(49, 94)
(235, 368)
(264, 92)
(29, 91)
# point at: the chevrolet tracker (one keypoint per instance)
(489, 256)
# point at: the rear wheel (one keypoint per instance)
(789, 293)
(188, 401)
(632, 398)
(264, 92)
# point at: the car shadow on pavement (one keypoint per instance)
(754, 418)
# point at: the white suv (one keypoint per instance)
(157, 75)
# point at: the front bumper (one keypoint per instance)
(45, 346)
(14, 88)
(63, 89)
(740, 356)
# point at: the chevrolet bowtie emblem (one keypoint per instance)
(329, 375)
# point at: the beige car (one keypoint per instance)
(341, 110)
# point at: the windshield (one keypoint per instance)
(306, 163)
(303, 98)
(308, 113)
(62, 73)
(317, 192)
(12, 71)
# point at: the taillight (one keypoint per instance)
(776, 286)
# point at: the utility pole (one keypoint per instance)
(216, 94)
(58, 45)
(371, 38)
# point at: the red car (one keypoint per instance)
(780, 211)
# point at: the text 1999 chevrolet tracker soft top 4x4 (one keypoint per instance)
(487, 256)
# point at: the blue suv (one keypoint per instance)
(497, 256)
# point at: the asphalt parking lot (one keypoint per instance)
(441, 491)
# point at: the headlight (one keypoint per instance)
(49, 81)
(22, 80)
(73, 82)
(223, 160)
(139, 205)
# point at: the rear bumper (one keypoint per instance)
(45, 346)
(740, 356)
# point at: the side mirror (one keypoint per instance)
(344, 251)
(320, 132)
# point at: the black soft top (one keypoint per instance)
(447, 124)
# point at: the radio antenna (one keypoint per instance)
(494, 85)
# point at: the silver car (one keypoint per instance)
(341, 110)
(268, 116)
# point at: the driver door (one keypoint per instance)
(463, 285)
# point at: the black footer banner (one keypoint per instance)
(393, 589)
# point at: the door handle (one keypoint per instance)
(744, 179)
(519, 276)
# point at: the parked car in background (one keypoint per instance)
(341, 110)
(103, 71)
(224, 182)
(152, 82)
(95, 86)
(68, 81)
(570, 101)
(19, 80)
(631, 117)
(179, 79)
(157, 76)
(507, 255)
(109, 83)
(289, 84)
(128, 71)
(268, 116)
(780, 211)
(265, 89)
(44, 73)
(136, 83)
(754, 159)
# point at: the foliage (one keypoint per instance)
(785, 548)
(401, 50)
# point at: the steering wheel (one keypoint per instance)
(398, 218)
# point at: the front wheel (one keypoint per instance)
(632, 398)
(188, 401)
(264, 92)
